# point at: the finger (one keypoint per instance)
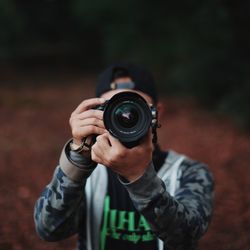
(90, 113)
(90, 121)
(101, 148)
(94, 157)
(87, 104)
(115, 142)
(85, 131)
(103, 141)
(97, 150)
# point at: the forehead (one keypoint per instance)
(107, 95)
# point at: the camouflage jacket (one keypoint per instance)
(176, 201)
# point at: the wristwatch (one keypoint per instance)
(84, 146)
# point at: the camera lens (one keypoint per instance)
(127, 115)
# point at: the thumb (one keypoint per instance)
(114, 141)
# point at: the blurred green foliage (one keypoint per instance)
(198, 48)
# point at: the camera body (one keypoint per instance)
(128, 117)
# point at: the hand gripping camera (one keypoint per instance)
(128, 117)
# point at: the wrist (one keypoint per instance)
(136, 173)
(136, 178)
(75, 166)
(81, 157)
(82, 145)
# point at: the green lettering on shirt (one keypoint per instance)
(143, 224)
(126, 221)
(122, 225)
(105, 223)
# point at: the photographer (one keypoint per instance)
(117, 194)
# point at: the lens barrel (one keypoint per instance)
(128, 117)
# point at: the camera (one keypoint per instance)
(128, 117)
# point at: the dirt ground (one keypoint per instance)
(34, 127)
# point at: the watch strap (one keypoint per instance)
(84, 146)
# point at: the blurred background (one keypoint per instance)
(51, 53)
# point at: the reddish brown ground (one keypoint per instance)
(34, 127)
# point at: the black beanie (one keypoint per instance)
(142, 79)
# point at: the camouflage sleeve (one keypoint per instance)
(180, 220)
(60, 208)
